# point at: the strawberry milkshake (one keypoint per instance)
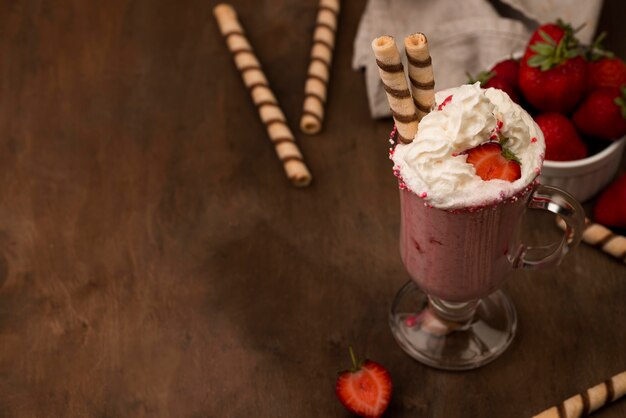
(466, 161)
(465, 182)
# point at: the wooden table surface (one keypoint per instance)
(155, 262)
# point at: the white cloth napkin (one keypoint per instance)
(463, 36)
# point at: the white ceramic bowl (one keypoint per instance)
(584, 178)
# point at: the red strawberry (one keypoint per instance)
(603, 114)
(365, 389)
(562, 140)
(552, 75)
(501, 84)
(606, 72)
(489, 79)
(555, 31)
(491, 161)
(507, 70)
(611, 207)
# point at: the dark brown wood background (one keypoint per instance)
(155, 262)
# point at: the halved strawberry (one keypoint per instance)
(492, 161)
(365, 389)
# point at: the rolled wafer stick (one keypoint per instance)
(588, 401)
(420, 73)
(318, 75)
(600, 236)
(394, 81)
(269, 110)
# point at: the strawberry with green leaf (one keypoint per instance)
(552, 75)
(604, 69)
(603, 113)
(365, 389)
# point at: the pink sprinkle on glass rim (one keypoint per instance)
(423, 195)
(392, 135)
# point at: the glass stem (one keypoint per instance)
(459, 312)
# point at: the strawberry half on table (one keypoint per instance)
(553, 74)
(365, 389)
(492, 161)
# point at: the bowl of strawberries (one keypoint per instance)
(577, 95)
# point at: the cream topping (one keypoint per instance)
(434, 166)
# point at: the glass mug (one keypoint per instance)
(452, 315)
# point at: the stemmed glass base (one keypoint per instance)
(452, 336)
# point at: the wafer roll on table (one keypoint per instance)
(420, 73)
(602, 237)
(318, 74)
(588, 401)
(394, 81)
(269, 110)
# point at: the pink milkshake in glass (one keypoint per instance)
(459, 236)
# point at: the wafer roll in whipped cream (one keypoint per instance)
(318, 74)
(420, 73)
(269, 110)
(588, 401)
(602, 237)
(394, 81)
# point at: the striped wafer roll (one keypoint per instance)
(588, 401)
(319, 67)
(269, 110)
(394, 81)
(602, 237)
(420, 73)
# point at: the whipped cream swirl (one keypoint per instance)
(434, 165)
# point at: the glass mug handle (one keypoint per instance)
(556, 201)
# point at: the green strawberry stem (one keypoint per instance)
(621, 101)
(596, 50)
(549, 54)
(354, 362)
(509, 155)
(482, 77)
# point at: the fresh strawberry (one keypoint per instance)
(603, 113)
(492, 161)
(610, 210)
(501, 84)
(365, 389)
(606, 72)
(556, 31)
(552, 74)
(507, 70)
(562, 140)
(489, 79)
